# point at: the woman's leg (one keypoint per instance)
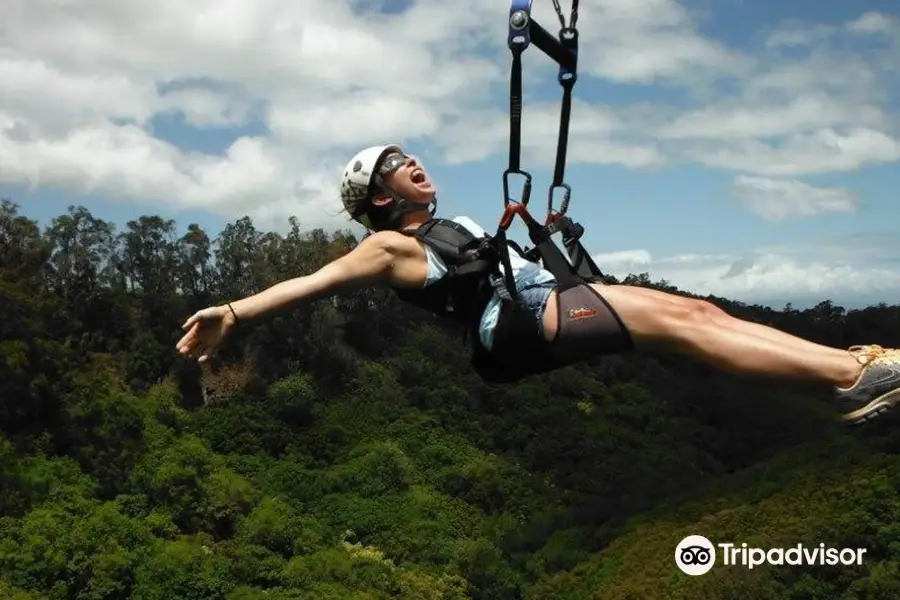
(658, 321)
(725, 320)
(866, 379)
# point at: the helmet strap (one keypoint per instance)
(400, 206)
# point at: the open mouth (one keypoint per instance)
(417, 176)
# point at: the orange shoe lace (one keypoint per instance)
(866, 355)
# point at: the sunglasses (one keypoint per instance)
(393, 161)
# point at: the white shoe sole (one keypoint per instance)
(873, 409)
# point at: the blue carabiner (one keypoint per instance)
(519, 24)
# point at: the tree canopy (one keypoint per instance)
(345, 451)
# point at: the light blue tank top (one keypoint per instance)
(525, 274)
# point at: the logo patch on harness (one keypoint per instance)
(581, 313)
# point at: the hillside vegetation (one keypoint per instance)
(343, 450)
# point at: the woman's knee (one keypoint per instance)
(706, 310)
(697, 307)
(692, 313)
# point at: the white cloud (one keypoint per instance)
(875, 22)
(796, 33)
(799, 34)
(738, 121)
(779, 199)
(79, 89)
(207, 108)
(598, 135)
(325, 77)
(642, 41)
(823, 151)
(764, 276)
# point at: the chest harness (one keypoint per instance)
(472, 262)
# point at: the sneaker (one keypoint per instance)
(878, 387)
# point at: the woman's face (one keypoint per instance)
(406, 176)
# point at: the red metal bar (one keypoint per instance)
(514, 209)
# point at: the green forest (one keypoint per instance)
(344, 451)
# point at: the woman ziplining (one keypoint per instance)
(532, 312)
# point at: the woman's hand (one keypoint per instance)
(206, 330)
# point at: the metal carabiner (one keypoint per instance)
(526, 187)
(564, 205)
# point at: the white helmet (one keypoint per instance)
(362, 180)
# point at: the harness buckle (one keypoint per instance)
(573, 231)
(498, 282)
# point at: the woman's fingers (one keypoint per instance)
(199, 349)
(190, 345)
(188, 340)
(185, 340)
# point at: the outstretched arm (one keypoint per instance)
(369, 263)
(381, 257)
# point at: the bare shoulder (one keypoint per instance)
(409, 264)
(397, 244)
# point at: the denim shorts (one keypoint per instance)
(535, 297)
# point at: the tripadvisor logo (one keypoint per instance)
(696, 555)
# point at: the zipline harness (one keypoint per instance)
(587, 325)
(523, 31)
(525, 351)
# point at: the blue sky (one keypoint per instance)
(747, 149)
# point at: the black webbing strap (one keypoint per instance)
(580, 258)
(515, 110)
(518, 41)
(568, 39)
(523, 30)
(505, 284)
(552, 258)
